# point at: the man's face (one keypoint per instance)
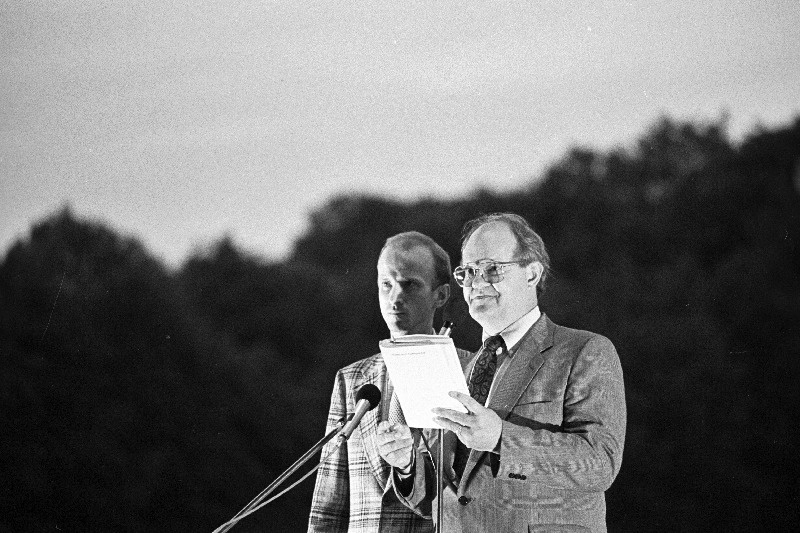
(406, 293)
(498, 305)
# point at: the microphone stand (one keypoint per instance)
(304, 458)
(440, 483)
(447, 328)
(280, 479)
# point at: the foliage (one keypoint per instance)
(140, 399)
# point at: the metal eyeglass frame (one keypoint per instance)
(480, 269)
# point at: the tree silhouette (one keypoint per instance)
(140, 399)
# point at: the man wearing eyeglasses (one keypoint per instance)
(543, 436)
(353, 492)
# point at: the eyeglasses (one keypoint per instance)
(490, 271)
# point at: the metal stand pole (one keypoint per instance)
(447, 329)
(440, 484)
(285, 475)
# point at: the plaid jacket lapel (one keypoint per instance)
(377, 375)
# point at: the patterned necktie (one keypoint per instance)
(480, 382)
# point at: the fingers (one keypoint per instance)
(387, 428)
(446, 423)
(466, 400)
(395, 444)
(384, 426)
(479, 429)
(393, 437)
(464, 419)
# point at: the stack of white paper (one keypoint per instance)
(423, 370)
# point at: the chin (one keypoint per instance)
(396, 328)
(482, 315)
(480, 307)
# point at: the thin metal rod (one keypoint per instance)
(440, 484)
(280, 479)
(447, 329)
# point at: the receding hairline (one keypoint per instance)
(410, 240)
(529, 244)
(405, 247)
(487, 225)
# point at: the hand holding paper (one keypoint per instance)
(480, 429)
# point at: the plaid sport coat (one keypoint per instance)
(353, 492)
(562, 402)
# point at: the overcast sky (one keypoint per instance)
(178, 122)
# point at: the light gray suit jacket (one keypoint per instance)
(562, 402)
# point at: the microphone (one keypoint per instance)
(367, 399)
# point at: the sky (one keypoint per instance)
(178, 123)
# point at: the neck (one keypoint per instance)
(395, 334)
(492, 329)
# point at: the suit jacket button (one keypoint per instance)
(512, 475)
(463, 500)
(522, 476)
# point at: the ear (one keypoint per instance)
(534, 273)
(442, 294)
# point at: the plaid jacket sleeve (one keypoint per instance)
(330, 506)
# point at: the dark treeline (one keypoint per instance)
(135, 398)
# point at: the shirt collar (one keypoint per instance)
(517, 329)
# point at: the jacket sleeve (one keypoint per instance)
(418, 491)
(330, 506)
(585, 452)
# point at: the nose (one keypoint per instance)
(478, 280)
(396, 295)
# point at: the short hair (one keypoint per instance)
(411, 239)
(530, 246)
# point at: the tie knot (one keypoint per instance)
(495, 345)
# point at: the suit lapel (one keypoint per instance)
(378, 376)
(526, 362)
(528, 359)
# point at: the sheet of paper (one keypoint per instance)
(423, 369)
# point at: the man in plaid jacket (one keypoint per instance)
(354, 492)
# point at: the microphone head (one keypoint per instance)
(371, 393)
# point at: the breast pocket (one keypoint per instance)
(539, 413)
(556, 528)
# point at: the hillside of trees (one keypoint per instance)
(139, 398)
